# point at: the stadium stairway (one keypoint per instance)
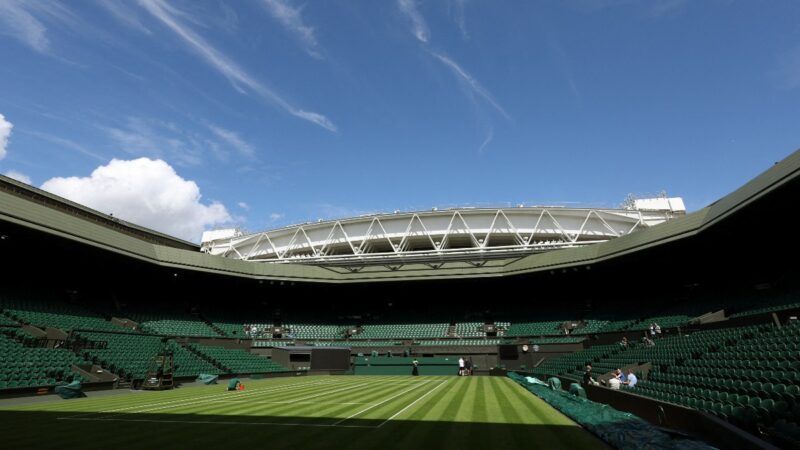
(211, 325)
(235, 361)
(203, 356)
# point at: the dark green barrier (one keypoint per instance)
(382, 365)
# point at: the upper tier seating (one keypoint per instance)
(470, 329)
(44, 313)
(552, 327)
(172, 324)
(405, 330)
(314, 331)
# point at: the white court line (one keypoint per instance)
(213, 396)
(412, 404)
(381, 403)
(270, 402)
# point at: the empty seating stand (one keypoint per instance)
(44, 313)
(404, 331)
(237, 361)
(24, 366)
(130, 356)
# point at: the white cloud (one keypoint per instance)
(276, 216)
(232, 139)
(238, 77)
(291, 19)
(418, 24)
(471, 82)
(146, 192)
(19, 176)
(5, 132)
(243, 205)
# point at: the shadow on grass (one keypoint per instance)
(65, 431)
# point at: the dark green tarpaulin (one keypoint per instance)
(71, 390)
(576, 390)
(207, 378)
(233, 384)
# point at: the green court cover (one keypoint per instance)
(71, 390)
(207, 378)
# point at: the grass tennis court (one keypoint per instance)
(302, 412)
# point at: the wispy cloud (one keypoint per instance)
(66, 143)
(563, 62)
(17, 21)
(185, 145)
(291, 19)
(418, 25)
(651, 9)
(274, 217)
(471, 82)
(486, 141)
(141, 137)
(666, 7)
(243, 205)
(233, 140)
(457, 8)
(238, 77)
(128, 16)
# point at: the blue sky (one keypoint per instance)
(277, 111)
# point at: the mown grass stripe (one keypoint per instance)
(343, 393)
(307, 393)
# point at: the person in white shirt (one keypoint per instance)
(460, 366)
(614, 383)
(632, 380)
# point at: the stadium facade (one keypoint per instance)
(534, 290)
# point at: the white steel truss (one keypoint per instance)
(431, 237)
